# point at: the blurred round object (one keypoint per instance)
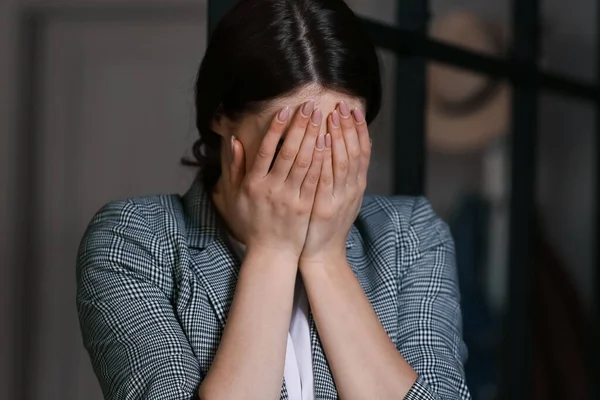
(465, 111)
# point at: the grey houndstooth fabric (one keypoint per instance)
(155, 279)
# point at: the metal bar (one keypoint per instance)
(409, 138)
(593, 361)
(216, 10)
(516, 371)
(403, 41)
(27, 277)
(118, 12)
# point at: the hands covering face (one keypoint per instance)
(303, 197)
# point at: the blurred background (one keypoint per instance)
(96, 103)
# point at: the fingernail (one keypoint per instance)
(358, 115)
(284, 114)
(308, 108)
(328, 141)
(335, 118)
(317, 116)
(232, 142)
(321, 141)
(344, 110)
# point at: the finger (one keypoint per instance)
(289, 150)
(365, 145)
(309, 186)
(266, 151)
(307, 150)
(352, 144)
(237, 164)
(324, 194)
(338, 153)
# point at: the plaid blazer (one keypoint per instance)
(155, 279)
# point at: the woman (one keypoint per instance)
(273, 276)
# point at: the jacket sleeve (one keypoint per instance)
(430, 327)
(136, 345)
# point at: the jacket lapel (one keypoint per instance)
(322, 378)
(377, 275)
(216, 266)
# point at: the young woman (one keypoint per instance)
(273, 277)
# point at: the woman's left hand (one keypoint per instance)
(341, 186)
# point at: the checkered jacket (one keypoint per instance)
(155, 279)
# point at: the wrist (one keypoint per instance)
(272, 254)
(329, 259)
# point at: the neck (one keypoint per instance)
(220, 203)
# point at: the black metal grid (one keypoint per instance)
(594, 339)
(516, 371)
(409, 41)
(409, 148)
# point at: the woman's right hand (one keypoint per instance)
(273, 206)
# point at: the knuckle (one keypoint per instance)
(355, 155)
(342, 165)
(285, 203)
(312, 177)
(251, 188)
(287, 154)
(272, 194)
(247, 186)
(299, 209)
(325, 214)
(327, 179)
(303, 163)
(264, 153)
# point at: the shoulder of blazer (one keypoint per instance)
(410, 220)
(162, 215)
(383, 215)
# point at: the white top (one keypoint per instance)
(298, 371)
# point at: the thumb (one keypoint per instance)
(237, 165)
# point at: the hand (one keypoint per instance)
(341, 186)
(272, 207)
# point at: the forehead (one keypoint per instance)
(324, 99)
(255, 125)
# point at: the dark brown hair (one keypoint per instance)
(266, 49)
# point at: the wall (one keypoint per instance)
(7, 182)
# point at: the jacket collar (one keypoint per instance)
(202, 220)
